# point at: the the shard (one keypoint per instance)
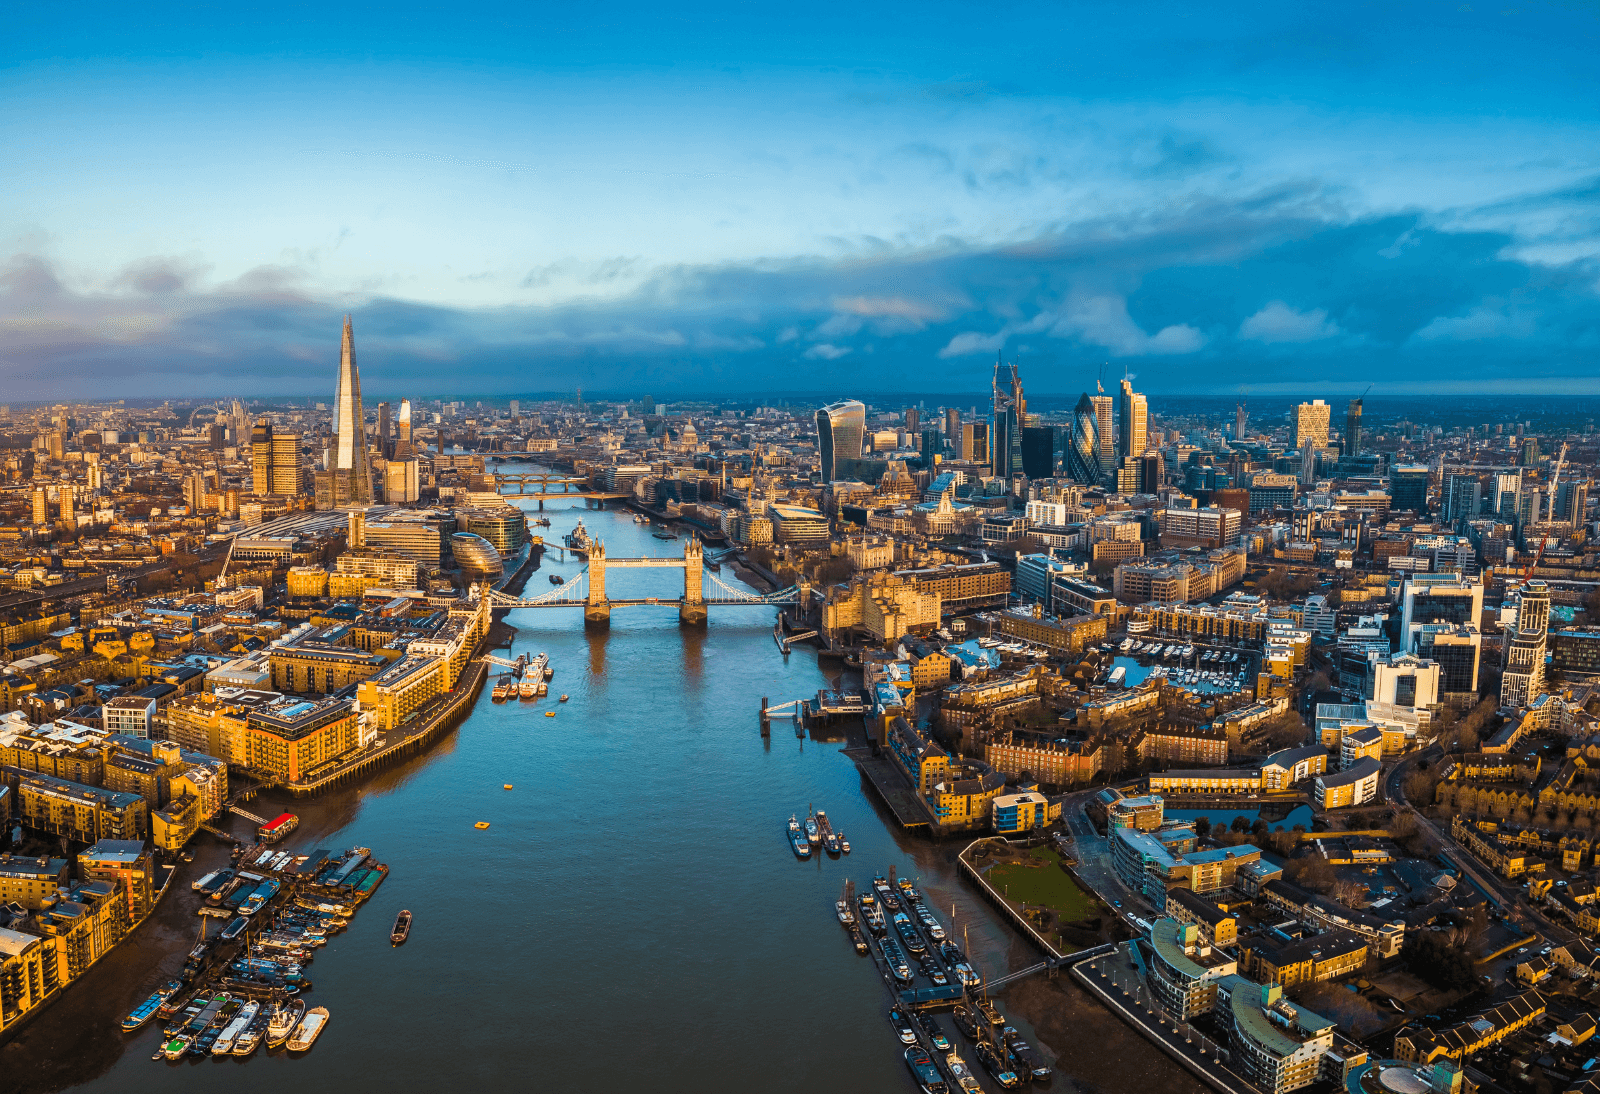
(351, 473)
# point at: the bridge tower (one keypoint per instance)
(692, 608)
(597, 612)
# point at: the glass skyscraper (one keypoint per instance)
(840, 428)
(1083, 450)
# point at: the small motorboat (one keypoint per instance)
(563, 699)
(555, 579)
(402, 927)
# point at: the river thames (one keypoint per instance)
(632, 919)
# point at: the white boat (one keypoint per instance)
(845, 915)
(310, 1028)
(1125, 645)
(284, 1018)
(241, 1022)
(251, 1037)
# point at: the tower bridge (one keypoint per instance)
(692, 606)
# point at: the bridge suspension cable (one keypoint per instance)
(577, 585)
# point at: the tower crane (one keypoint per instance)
(1550, 509)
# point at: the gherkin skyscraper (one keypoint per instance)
(1083, 449)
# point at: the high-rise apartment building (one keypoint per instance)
(274, 461)
(840, 428)
(1572, 501)
(1461, 498)
(1522, 680)
(952, 428)
(913, 420)
(1507, 500)
(1311, 424)
(1352, 428)
(1133, 439)
(402, 436)
(41, 506)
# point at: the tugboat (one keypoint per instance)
(844, 844)
(283, 1021)
(402, 927)
(555, 579)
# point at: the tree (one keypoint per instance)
(1439, 958)
(1202, 827)
(1240, 824)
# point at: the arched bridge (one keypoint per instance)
(692, 607)
(542, 485)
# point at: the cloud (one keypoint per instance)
(826, 352)
(1278, 322)
(1103, 320)
(1181, 293)
(970, 342)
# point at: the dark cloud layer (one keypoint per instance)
(1276, 290)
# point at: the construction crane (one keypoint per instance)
(1550, 509)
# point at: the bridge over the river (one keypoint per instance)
(542, 485)
(692, 607)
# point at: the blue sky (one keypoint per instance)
(857, 198)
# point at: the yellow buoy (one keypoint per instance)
(508, 786)
(549, 714)
(481, 824)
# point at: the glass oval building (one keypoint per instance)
(476, 557)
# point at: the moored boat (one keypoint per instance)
(966, 1081)
(925, 1071)
(402, 927)
(529, 688)
(142, 1013)
(284, 1019)
(846, 916)
(309, 1029)
(813, 833)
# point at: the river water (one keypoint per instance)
(632, 919)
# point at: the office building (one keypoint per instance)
(1010, 410)
(1522, 680)
(974, 442)
(1132, 441)
(1408, 489)
(1105, 429)
(1038, 451)
(840, 429)
(1352, 428)
(1083, 449)
(1310, 424)
(1439, 598)
(1241, 419)
(952, 428)
(1456, 648)
(348, 478)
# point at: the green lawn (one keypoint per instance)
(1045, 884)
